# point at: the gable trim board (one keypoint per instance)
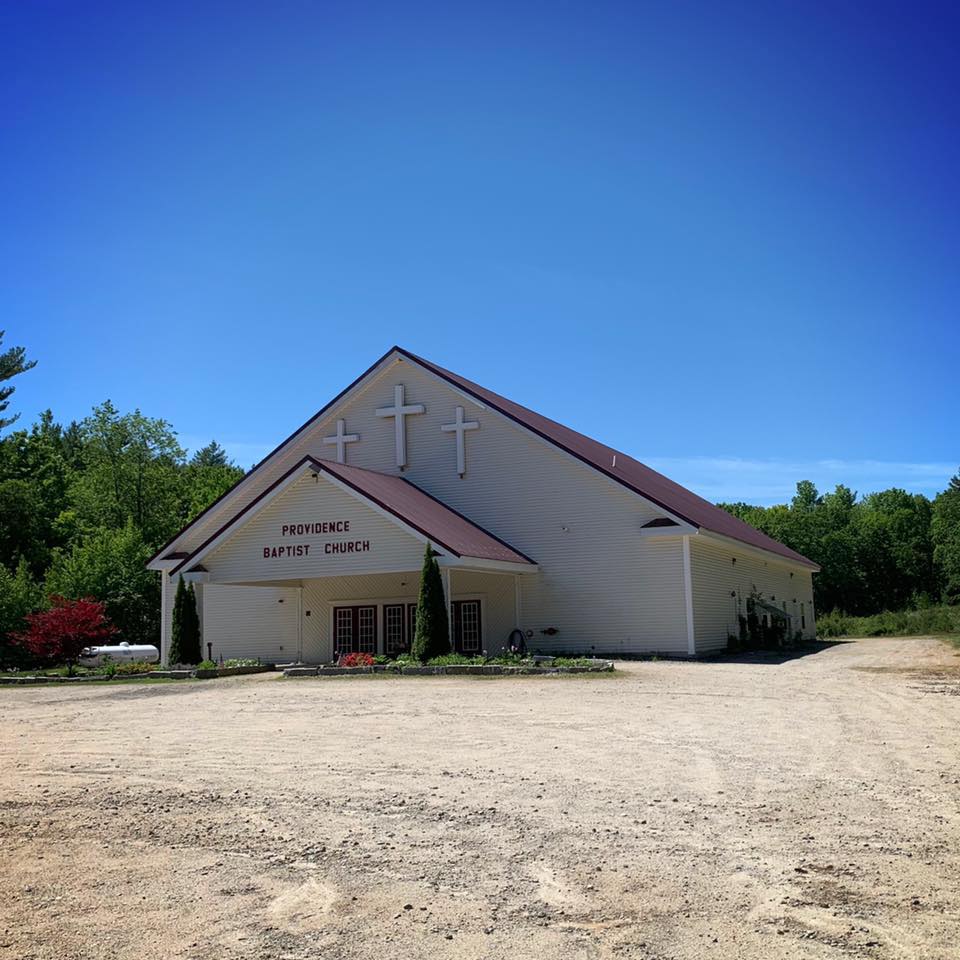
(626, 560)
(678, 502)
(443, 528)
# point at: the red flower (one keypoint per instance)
(356, 660)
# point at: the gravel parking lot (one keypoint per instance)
(806, 807)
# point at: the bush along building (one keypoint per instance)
(536, 528)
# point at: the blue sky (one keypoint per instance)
(721, 237)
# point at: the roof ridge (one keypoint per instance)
(692, 508)
(737, 529)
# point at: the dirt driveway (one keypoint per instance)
(807, 808)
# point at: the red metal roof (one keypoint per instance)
(435, 520)
(631, 473)
(439, 523)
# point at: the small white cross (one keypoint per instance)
(459, 427)
(341, 440)
(399, 413)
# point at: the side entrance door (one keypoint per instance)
(354, 630)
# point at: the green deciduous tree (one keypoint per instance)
(945, 535)
(110, 565)
(23, 533)
(875, 553)
(20, 594)
(85, 505)
(132, 470)
(34, 478)
(202, 483)
(432, 636)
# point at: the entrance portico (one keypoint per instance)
(328, 561)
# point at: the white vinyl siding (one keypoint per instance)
(601, 585)
(250, 622)
(715, 577)
(309, 500)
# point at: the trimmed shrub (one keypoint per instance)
(432, 637)
(185, 631)
(454, 659)
(175, 653)
(133, 668)
(190, 637)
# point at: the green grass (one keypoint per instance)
(936, 621)
(113, 681)
(109, 669)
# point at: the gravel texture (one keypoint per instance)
(753, 808)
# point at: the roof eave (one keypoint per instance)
(799, 561)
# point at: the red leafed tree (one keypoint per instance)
(61, 632)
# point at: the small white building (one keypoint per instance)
(317, 550)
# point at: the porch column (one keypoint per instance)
(447, 597)
(198, 596)
(165, 615)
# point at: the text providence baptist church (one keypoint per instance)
(317, 550)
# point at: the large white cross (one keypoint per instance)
(341, 439)
(459, 427)
(399, 413)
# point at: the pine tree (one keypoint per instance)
(12, 362)
(432, 636)
(176, 653)
(190, 629)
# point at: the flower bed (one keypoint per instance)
(209, 673)
(144, 671)
(453, 665)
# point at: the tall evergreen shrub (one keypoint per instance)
(190, 629)
(432, 637)
(176, 651)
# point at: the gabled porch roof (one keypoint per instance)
(395, 497)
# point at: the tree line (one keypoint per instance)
(83, 506)
(890, 550)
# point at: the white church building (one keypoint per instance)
(317, 550)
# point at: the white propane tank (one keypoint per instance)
(121, 653)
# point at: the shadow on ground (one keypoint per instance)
(775, 657)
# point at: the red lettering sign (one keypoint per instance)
(303, 549)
